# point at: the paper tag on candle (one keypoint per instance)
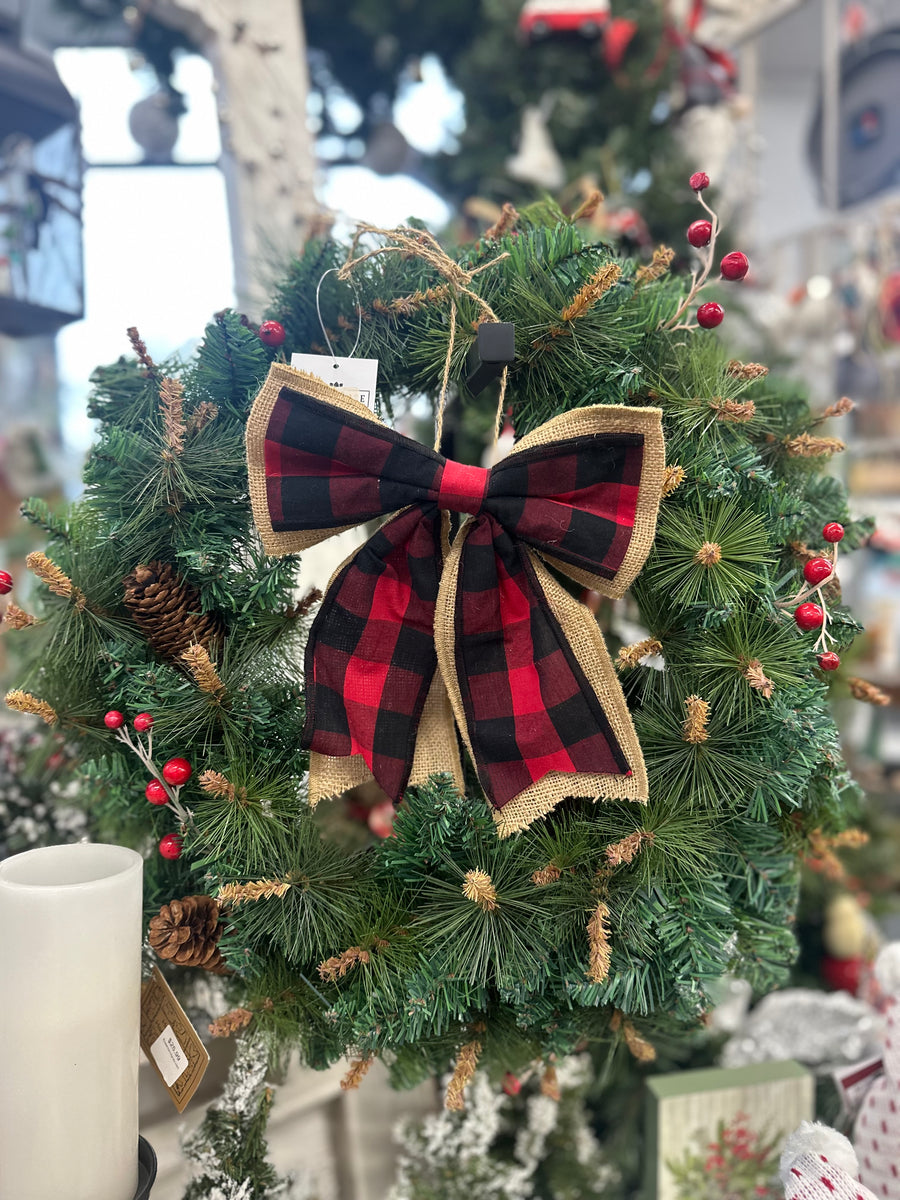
(356, 375)
(170, 1041)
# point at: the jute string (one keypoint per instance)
(422, 244)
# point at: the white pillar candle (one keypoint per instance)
(70, 979)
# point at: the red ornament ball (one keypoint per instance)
(512, 1084)
(114, 719)
(156, 793)
(271, 333)
(710, 314)
(6, 583)
(829, 661)
(816, 570)
(735, 265)
(381, 818)
(698, 181)
(170, 846)
(809, 616)
(143, 722)
(699, 233)
(177, 771)
(843, 974)
(833, 531)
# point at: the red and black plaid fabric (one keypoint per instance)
(370, 659)
(573, 499)
(529, 708)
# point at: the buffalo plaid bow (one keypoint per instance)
(405, 621)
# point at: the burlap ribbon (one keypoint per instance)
(411, 628)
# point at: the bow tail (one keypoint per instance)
(376, 703)
(531, 683)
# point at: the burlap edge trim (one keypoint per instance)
(436, 753)
(542, 797)
(281, 375)
(613, 418)
(579, 625)
(330, 775)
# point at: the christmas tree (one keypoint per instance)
(169, 649)
(533, 103)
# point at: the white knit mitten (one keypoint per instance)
(876, 1134)
(819, 1163)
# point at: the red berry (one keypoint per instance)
(809, 616)
(143, 722)
(113, 719)
(170, 845)
(829, 661)
(699, 180)
(271, 333)
(816, 570)
(735, 265)
(699, 233)
(6, 583)
(710, 314)
(833, 531)
(177, 771)
(512, 1084)
(156, 793)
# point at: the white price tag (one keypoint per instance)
(356, 375)
(169, 1056)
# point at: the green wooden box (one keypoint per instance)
(683, 1110)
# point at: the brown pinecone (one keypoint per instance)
(168, 610)
(187, 931)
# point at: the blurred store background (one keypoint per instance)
(162, 160)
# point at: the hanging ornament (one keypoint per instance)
(537, 160)
(455, 628)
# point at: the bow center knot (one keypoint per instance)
(463, 488)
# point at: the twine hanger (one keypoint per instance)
(422, 244)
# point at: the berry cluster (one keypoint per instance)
(733, 266)
(164, 788)
(809, 615)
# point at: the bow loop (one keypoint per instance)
(402, 634)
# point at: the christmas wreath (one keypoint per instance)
(659, 807)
